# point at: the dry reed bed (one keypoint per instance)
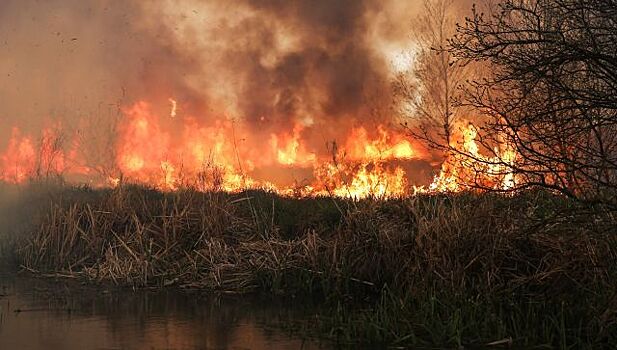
(529, 249)
(140, 237)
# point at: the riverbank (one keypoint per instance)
(442, 270)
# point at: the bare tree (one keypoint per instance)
(430, 90)
(552, 91)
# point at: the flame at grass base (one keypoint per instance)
(466, 168)
(177, 151)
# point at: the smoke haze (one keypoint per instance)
(320, 67)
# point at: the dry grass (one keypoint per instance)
(499, 254)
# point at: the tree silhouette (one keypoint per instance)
(551, 93)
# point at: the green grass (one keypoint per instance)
(444, 270)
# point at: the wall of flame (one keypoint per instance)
(290, 95)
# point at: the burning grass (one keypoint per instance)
(460, 269)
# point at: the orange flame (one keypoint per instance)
(361, 180)
(23, 159)
(468, 168)
(176, 152)
(387, 146)
(289, 150)
(18, 161)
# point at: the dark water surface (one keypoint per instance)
(43, 314)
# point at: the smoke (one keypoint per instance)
(277, 63)
(267, 62)
(318, 66)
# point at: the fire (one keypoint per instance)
(113, 181)
(362, 180)
(25, 159)
(181, 151)
(174, 107)
(142, 152)
(466, 167)
(208, 158)
(289, 150)
(169, 180)
(387, 146)
(18, 161)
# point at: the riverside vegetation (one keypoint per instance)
(533, 269)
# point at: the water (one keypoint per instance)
(39, 314)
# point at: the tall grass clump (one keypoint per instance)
(454, 270)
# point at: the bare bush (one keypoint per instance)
(551, 93)
(430, 89)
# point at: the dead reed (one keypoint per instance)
(447, 269)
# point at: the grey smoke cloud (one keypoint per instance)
(272, 63)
